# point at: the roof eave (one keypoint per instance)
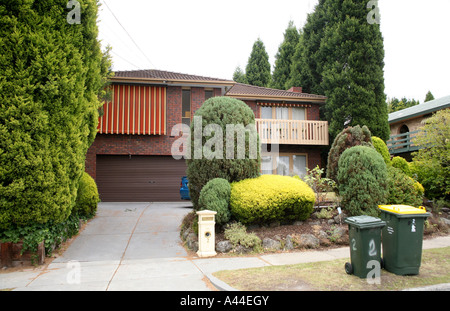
(173, 82)
(277, 98)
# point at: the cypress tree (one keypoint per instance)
(304, 71)
(239, 75)
(52, 73)
(428, 97)
(343, 58)
(257, 71)
(283, 62)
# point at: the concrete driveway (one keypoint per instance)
(127, 246)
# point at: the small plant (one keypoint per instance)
(325, 213)
(320, 185)
(237, 234)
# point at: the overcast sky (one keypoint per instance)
(212, 38)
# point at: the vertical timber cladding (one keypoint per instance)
(135, 110)
(139, 178)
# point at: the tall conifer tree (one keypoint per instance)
(341, 55)
(283, 59)
(52, 73)
(257, 71)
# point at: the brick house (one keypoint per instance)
(406, 123)
(131, 159)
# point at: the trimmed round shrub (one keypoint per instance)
(403, 189)
(381, 147)
(362, 178)
(232, 159)
(401, 164)
(87, 197)
(215, 196)
(349, 137)
(271, 198)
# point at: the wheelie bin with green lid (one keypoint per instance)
(402, 238)
(365, 244)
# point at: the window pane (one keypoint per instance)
(208, 94)
(266, 165)
(266, 112)
(299, 165)
(298, 113)
(283, 165)
(282, 113)
(186, 121)
(186, 104)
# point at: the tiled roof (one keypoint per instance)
(165, 75)
(420, 110)
(262, 93)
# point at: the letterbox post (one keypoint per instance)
(206, 233)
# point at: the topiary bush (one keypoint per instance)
(349, 137)
(403, 189)
(271, 198)
(362, 178)
(381, 147)
(402, 164)
(230, 162)
(215, 196)
(87, 197)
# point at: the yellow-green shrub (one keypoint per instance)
(271, 198)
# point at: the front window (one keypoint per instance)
(284, 164)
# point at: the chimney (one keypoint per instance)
(295, 89)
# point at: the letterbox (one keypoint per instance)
(206, 233)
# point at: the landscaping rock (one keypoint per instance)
(298, 223)
(288, 245)
(271, 244)
(307, 241)
(192, 241)
(239, 249)
(445, 221)
(224, 246)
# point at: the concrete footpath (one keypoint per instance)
(136, 247)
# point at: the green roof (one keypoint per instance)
(420, 110)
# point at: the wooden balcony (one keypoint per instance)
(293, 132)
(402, 143)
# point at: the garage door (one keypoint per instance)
(139, 178)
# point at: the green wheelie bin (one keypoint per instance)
(365, 245)
(402, 238)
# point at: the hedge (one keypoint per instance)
(215, 196)
(362, 178)
(271, 198)
(87, 197)
(222, 112)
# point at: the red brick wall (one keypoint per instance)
(145, 144)
(312, 113)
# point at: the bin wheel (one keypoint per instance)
(348, 268)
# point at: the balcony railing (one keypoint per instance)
(402, 143)
(293, 132)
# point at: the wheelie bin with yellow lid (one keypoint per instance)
(402, 238)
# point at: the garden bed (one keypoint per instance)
(324, 229)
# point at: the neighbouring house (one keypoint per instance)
(131, 158)
(406, 123)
